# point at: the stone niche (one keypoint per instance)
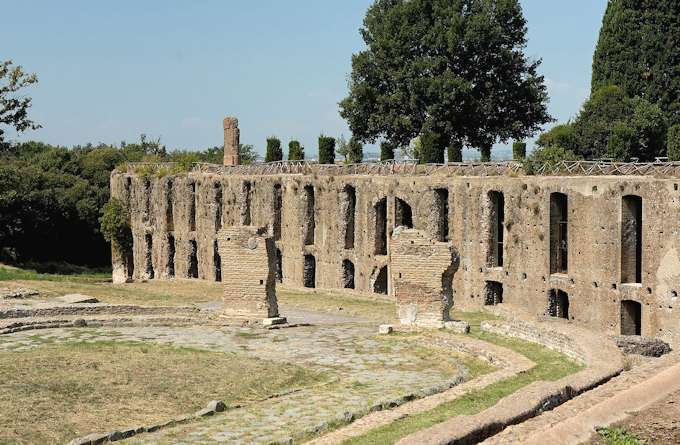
(422, 277)
(248, 273)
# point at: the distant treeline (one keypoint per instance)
(51, 197)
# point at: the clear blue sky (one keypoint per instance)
(110, 71)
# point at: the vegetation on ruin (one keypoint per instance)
(469, 81)
(616, 436)
(59, 391)
(550, 366)
(274, 151)
(115, 225)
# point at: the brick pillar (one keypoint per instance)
(232, 136)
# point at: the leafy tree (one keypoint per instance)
(355, 151)
(326, 150)
(673, 143)
(296, 152)
(274, 152)
(247, 154)
(607, 111)
(14, 107)
(342, 146)
(639, 50)
(562, 135)
(548, 156)
(386, 151)
(447, 70)
(519, 150)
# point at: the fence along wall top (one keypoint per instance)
(412, 168)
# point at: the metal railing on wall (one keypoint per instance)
(411, 167)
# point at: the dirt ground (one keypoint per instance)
(657, 425)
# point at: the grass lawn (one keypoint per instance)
(550, 366)
(616, 436)
(375, 309)
(56, 392)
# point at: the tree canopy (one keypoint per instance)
(13, 107)
(453, 70)
(639, 50)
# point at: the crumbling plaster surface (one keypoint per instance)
(593, 278)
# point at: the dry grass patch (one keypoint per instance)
(56, 392)
(379, 309)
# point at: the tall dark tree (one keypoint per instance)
(326, 150)
(355, 151)
(639, 50)
(386, 151)
(274, 152)
(296, 152)
(448, 70)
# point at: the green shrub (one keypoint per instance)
(432, 148)
(386, 151)
(622, 142)
(274, 152)
(296, 152)
(673, 143)
(115, 226)
(549, 156)
(355, 151)
(519, 150)
(560, 135)
(326, 150)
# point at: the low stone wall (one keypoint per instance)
(600, 355)
(93, 309)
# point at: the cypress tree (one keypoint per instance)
(386, 151)
(519, 150)
(639, 50)
(274, 152)
(673, 143)
(355, 151)
(455, 152)
(326, 150)
(296, 152)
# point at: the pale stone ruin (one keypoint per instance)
(600, 250)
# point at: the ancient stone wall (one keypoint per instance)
(314, 210)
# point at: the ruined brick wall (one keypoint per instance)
(248, 274)
(422, 277)
(592, 281)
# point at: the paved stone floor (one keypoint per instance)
(363, 370)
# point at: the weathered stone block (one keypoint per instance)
(385, 329)
(274, 321)
(422, 277)
(458, 327)
(248, 273)
(77, 299)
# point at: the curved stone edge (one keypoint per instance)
(94, 309)
(602, 358)
(20, 326)
(508, 362)
(213, 407)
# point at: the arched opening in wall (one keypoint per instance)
(496, 226)
(559, 240)
(193, 259)
(217, 261)
(218, 206)
(631, 318)
(347, 274)
(246, 216)
(148, 241)
(169, 208)
(348, 206)
(171, 256)
(309, 223)
(380, 210)
(309, 272)
(277, 204)
(631, 239)
(441, 212)
(403, 215)
(192, 207)
(558, 304)
(279, 266)
(380, 284)
(493, 293)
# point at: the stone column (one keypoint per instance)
(232, 137)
